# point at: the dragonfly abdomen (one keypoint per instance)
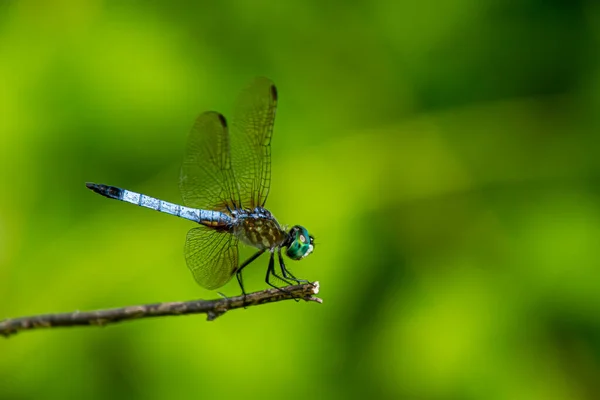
(204, 217)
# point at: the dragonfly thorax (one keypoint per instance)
(258, 228)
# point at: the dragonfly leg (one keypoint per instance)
(271, 271)
(240, 280)
(286, 272)
(238, 273)
(283, 278)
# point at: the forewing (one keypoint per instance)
(212, 256)
(207, 179)
(253, 121)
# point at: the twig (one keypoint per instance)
(212, 308)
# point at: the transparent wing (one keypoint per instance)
(253, 121)
(212, 256)
(206, 180)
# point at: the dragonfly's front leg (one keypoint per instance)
(284, 278)
(271, 271)
(286, 273)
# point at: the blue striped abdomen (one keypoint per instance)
(204, 217)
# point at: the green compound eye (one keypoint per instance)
(300, 242)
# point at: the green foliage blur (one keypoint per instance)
(443, 153)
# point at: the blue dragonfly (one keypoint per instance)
(225, 180)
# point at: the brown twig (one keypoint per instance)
(212, 308)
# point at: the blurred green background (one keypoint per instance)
(452, 180)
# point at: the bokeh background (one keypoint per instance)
(443, 153)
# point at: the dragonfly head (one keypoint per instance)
(299, 243)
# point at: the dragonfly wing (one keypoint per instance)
(253, 121)
(207, 179)
(212, 256)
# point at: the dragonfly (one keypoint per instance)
(224, 181)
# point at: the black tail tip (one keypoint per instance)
(92, 186)
(105, 190)
(100, 189)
